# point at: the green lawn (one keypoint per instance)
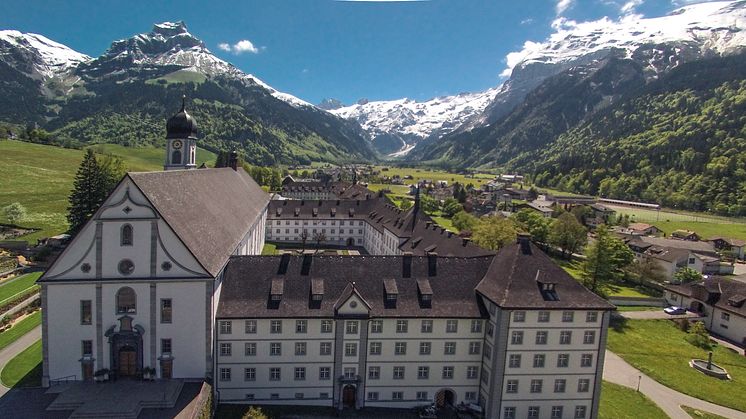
(699, 414)
(618, 290)
(16, 285)
(638, 308)
(619, 402)
(573, 267)
(19, 329)
(418, 174)
(40, 177)
(658, 348)
(25, 369)
(269, 249)
(705, 229)
(445, 222)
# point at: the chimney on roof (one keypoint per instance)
(380, 193)
(284, 262)
(524, 240)
(465, 241)
(407, 265)
(450, 234)
(428, 223)
(432, 264)
(233, 162)
(320, 202)
(367, 196)
(338, 202)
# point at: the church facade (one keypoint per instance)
(167, 275)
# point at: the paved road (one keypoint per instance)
(15, 348)
(617, 371)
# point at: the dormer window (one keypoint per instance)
(276, 290)
(126, 235)
(392, 292)
(317, 289)
(425, 291)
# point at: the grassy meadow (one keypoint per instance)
(40, 177)
(619, 402)
(658, 348)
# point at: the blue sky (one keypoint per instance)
(347, 50)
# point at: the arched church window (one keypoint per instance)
(126, 235)
(176, 157)
(126, 301)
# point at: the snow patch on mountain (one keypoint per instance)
(407, 117)
(717, 26)
(50, 59)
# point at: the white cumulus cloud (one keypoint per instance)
(239, 47)
(630, 6)
(563, 5)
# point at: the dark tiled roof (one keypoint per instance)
(210, 210)
(706, 248)
(420, 233)
(248, 279)
(725, 294)
(514, 280)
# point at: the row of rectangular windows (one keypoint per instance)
(374, 373)
(128, 306)
(350, 348)
(351, 326)
(563, 360)
(323, 223)
(565, 337)
(581, 411)
(371, 396)
(560, 384)
(545, 316)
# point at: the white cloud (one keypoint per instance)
(563, 5)
(240, 47)
(630, 6)
(527, 21)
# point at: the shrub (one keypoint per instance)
(682, 324)
(698, 336)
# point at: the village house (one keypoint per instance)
(722, 302)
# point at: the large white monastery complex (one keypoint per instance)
(167, 275)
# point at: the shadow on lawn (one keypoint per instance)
(31, 379)
(618, 323)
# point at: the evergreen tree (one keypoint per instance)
(89, 191)
(606, 261)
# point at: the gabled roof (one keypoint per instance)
(248, 279)
(210, 210)
(348, 292)
(513, 282)
(725, 294)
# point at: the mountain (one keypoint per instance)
(396, 125)
(329, 104)
(517, 121)
(678, 141)
(126, 94)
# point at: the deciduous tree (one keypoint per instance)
(494, 232)
(568, 234)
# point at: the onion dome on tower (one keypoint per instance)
(181, 140)
(181, 125)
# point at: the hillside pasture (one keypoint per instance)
(40, 177)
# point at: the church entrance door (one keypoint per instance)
(127, 361)
(348, 396)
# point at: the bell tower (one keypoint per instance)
(181, 140)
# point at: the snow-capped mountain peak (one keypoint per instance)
(717, 27)
(46, 57)
(171, 44)
(414, 120)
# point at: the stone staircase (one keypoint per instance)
(122, 399)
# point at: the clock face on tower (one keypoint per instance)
(176, 144)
